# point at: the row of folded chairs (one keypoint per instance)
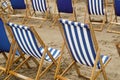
(79, 38)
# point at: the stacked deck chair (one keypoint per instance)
(114, 18)
(96, 8)
(83, 48)
(65, 7)
(26, 39)
(39, 7)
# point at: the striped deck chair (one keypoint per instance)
(65, 7)
(83, 48)
(26, 39)
(7, 47)
(39, 7)
(114, 17)
(96, 8)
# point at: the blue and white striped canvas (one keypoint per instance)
(95, 7)
(39, 5)
(79, 41)
(28, 44)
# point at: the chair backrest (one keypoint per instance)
(25, 40)
(18, 4)
(4, 42)
(39, 5)
(116, 7)
(79, 41)
(64, 6)
(96, 7)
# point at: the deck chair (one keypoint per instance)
(96, 8)
(26, 39)
(5, 6)
(81, 44)
(7, 47)
(18, 5)
(39, 6)
(114, 16)
(65, 7)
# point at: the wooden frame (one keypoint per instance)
(33, 14)
(55, 19)
(10, 56)
(40, 72)
(104, 19)
(113, 21)
(94, 73)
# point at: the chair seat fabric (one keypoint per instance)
(80, 43)
(65, 6)
(27, 42)
(18, 4)
(95, 7)
(39, 5)
(4, 42)
(117, 7)
(54, 52)
(104, 60)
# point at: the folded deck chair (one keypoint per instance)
(96, 8)
(114, 17)
(26, 39)
(67, 7)
(82, 46)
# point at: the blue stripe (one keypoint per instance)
(78, 42)
(92, 48)
(72, 43)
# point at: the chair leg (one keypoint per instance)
(8, 77)
(4, 55)
(104, 74)
(118, 48)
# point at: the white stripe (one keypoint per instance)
(70, 42)
(34, 6)
(18, 39)
(43, 5)
(26, 38)
(39, 5)
(82, 46)
(97, 7)
(93, 7)
(90, 7)
(101, 7)
(23, 40)
(88, 45)
(76, 44)
(33, 44)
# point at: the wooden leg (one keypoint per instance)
(118, 48)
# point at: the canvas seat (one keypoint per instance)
(7, 47)
(26, 39)
(114, 17)
(40, 7)
(96, 9)
(65, 7)
(82, 46)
